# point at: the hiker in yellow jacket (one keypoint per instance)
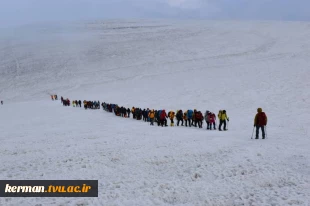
(171, 117)
(222, 117)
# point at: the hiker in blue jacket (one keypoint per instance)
(189, 117)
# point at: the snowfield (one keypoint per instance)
(203, 65)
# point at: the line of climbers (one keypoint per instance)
(91, 104)
(54, 97)
(189, 117)
(65, 102)
(78, 103)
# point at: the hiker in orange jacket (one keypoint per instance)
(185, 118)
(171, 117)
(151, 115)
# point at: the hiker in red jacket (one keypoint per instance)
(163, 118)
(212, 119)
(198, 119)
(260, 121)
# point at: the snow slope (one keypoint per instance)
(237, 66)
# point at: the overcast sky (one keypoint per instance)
(19, 12)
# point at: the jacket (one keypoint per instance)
(171, 116)
(189, 114)
(185, 116)
(212, 118)
(163, 115)
(260, 118)
(179, 114)
(151, 114)
(207, 117)
(198, 116)
(223, 116)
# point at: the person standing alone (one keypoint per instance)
(260, 121)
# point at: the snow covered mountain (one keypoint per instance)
(203, 65)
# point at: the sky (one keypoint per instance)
(20, 12)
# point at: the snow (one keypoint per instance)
(206, 65)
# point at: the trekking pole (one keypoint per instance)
(252, 133)
(266, 131)
(227, 124)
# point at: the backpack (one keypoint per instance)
(199, 116)
(211, 118)
(261, 119)
(207, 117)
(179, 114)
(151, 115)
(190, 114)
(185, 116)
(162, 115)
